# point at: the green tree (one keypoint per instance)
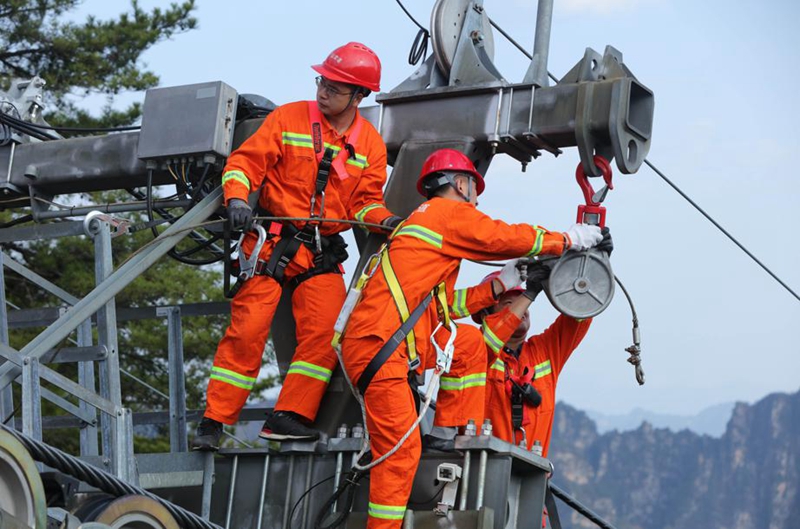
(75, 59)
(104, 57)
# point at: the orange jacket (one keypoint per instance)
(426, 250)
(546, 354)
(281, 156)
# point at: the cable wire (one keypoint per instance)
(419, 48)
(518, 46)
(720, 228)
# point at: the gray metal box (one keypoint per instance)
(191, 120)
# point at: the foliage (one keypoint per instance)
(77, 59)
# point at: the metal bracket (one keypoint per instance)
(91, 224)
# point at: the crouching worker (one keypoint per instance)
(523, 372)
(389, 331)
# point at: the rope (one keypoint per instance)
(102, 480)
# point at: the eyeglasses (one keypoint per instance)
(325, 85)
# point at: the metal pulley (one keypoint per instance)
(581, 284)
(22, 498)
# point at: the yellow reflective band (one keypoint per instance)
(423, 234)
(366, 209)
(440, 292)
(400, 302)
(491, 340)
(459, 384)
(237, 176)
(309, 370)
(359, 161)
(460, 303)
(232, 378)
(298, 140)
(538, 241)
(499, 365)
(542, 369)
(387, 512)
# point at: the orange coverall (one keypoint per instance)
(426, 250)
(280, 160)
(546, 354)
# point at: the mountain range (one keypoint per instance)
(656, 478)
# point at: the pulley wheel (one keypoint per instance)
(447, 19)
(128, 512)
(21, 491)
(581, 284)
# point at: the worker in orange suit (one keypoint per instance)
(310, 159)
(422, 260)
(523, 372)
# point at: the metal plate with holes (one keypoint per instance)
(581, 284)
(447, 19)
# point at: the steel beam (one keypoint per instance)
(31, 399)
(88, 435)
(6, 394)
(38, 280)
(41, 231)
(178, 441)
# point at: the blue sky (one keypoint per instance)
(715, 327)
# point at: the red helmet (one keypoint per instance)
(448, 160)
(354, 64)
(477, 317)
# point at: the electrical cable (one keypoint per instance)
(518, 46)
(720, 228)
(419, 48)
(75, 129)
(297, 503)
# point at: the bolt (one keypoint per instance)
(358, 431)
(342, 431)
(470, 429)
(486, 429)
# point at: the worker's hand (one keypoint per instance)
(582, 236)
(392, 222)
(239, 214)
(606, 245)
(538, 272)
(513, 273)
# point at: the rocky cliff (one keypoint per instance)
(652, 478)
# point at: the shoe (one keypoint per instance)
(287, 426)
(208, 435)
(437, 444)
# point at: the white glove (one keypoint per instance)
(583, 236)
(513, 273)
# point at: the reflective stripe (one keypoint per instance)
(491, 340)
(499, 365)
(366, 209)
(232, 378)
(237, 176)
(305, 140)
(310, 370)
(538, 241)
(460, 303)
(423, 234)
(542, 369)
(387, 512)
(459, 384)
(400, 302)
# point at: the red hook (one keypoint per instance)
(593, 212)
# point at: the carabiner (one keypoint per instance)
(247, 265)
(444, 357)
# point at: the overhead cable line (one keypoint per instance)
(720, 228)
(518, 46)
(419, 48)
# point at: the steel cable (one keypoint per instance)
(100, 479)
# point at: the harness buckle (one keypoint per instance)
(247, 265)
(444, 356)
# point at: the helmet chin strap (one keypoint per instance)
(468, 196)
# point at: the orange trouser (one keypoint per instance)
(316, 303)
(391, 412)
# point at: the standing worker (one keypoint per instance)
(422, 259)
(309, 159)
(523, 372)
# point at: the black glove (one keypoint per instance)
(606, 245)
(530, 396)
(239, 214)
(392, 222)
(334, 251)
(537, 273)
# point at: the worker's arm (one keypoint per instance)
(470, 300)
(366, 204)
(246, 166)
